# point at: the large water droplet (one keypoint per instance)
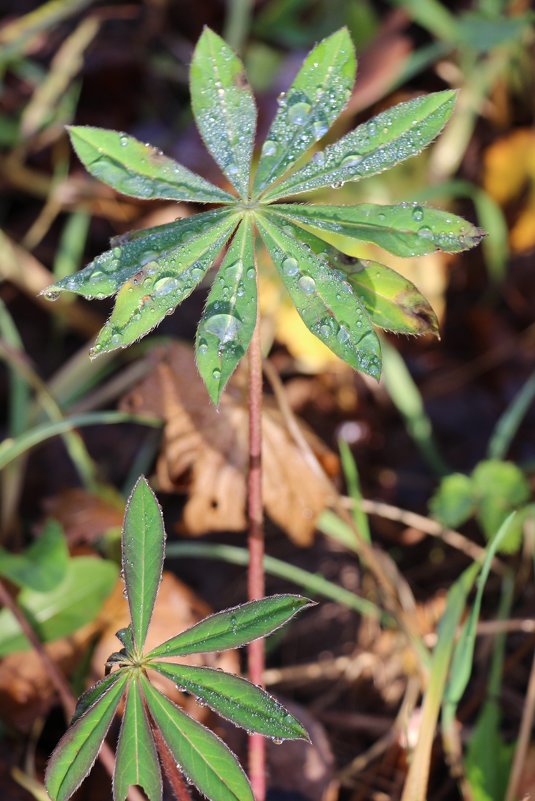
(307, 284)
(123, 139)
(425, 232)
(165, 285)
(417, 214)
(319, 158)
(51, 294)
(269, 148)
(202, 346)
(343, 335)
(223, 326)
(290, 266)
(352, 160)
(216, 375)
(299, 113)
(320, 128)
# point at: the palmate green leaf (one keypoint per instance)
(235, 699)
(145, 299)
(391, 300)
(42, 565)
(229, 318)
(405, 230)
(224, 107)
(77, 750)
(136, 761)
(387, 139)
(71, 604)
(454, 501)
(499, 488)
(135, 253)
(139, 170)
(92, 694)
(204, 759)
(318, 94)
(324, 299)
(143, 544)
(234, 627)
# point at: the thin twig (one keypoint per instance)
(524, 737)
(256, 578)
(59, 681)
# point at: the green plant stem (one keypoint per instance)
(59, 681)
(255, 576)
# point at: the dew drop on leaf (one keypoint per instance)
(51, 294)
(299, 113)
(216, 375)
(307, 284)
(165, 285)
(417, 214)
(320, 129)
(425, 232)
(123, 140)
(223, 326)
(290, 266)
(269, 148)
(352, 160)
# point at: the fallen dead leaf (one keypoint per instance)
(84, 516)
(205, 450)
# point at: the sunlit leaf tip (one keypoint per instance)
(143, 544)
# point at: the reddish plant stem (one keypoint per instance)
(174, 777)
(256, 578)
(68, 701)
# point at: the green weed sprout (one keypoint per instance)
(203, 758)
(339, 298)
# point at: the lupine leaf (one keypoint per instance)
(42, 566)
(236, 699)
(143, 543)
(391, 300)
(224, 107)
(234, 627)
(77, 750)
(136, 760)
(139, 170)
(324, 300)
(387, 139)
(135, 253)
(94, 693)
(318, 94)
(144, 300)
(229, 318)
(204, 759)
(405, 230)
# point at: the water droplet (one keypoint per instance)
(307, 284)
(223, 326)
(116, 252)
(372, 128)
(352, 160)
(290, 266)
(269, 148)
(251, 272)
(343, 335)
(123, 140)
(277, 740)
(325, 330)
(52, 294)
(299, 113)
(216, 375)
(319, 158)
(202, 346)
(320, 128)
(234, 624)
(165, 285)
(425, 232)
(417, 214)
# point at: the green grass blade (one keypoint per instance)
(92, 694)
(144, 300)
(136, 761)
(235, 699)
(70, 605)
(509, 422)
(234, 627)
(318, 94)
(229, 317)
(42, 565)
(382, 142)
(351, 475)
(324, 300)
(224, 108)
(135, 253)
(143, 544)
(204, 759)
(78, 749)
(139, 170)
(405, 230)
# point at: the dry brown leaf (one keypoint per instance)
(205, 450)
(176, 608)
(85, 517)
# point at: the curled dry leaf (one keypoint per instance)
(205, 449)
(176, 608)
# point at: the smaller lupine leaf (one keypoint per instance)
(229, 318)
(387, 139)
(234, 627)
(143, 543)
(224, 107)
(405, 230)
(324, 299)
(391, 300)
(126, 637)
(151, 294)
(235, 699)
(318, 94)
(134, 254)
(78, 749)
(139, 170)
(136, 762)
(42, 566)
(93, 694)
(204, 759)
